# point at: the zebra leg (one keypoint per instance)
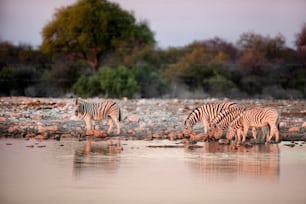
(118, 126)
(245, 132)
(254, 133)
(205, 125)
(88, 125)
(110, 123)
(238, 136)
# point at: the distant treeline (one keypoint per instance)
(133, 66)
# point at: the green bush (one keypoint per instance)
(108, 82)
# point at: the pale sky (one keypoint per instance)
(175, 22)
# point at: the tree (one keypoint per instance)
(300, 43)
(90, 28)
(257, 50)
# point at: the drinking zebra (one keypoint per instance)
(98, 111)
(255, 117)
(205, 114)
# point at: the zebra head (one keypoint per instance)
(230, 133)
(187, 128)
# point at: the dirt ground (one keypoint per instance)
(53, 118)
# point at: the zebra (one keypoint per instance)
(225, 118)
(98, 111)
(255, 117)
(204, 114)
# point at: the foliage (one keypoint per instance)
(150, 82)
(89, 29)
(7, 80)
(108, 82)
(300, 43)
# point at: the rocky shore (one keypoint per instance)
(147, 119)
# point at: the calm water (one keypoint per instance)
(93, 172)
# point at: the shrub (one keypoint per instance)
(109, 82)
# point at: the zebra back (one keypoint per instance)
(207, 112)
(256, 117)
(228, 116)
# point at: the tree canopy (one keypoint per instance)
(89, 29)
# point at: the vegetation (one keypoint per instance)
(95, 48)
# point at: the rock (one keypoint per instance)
(12, 129)
(132, 118)
(99, 133)
(51, 129)
(172, 136)
(289, 145)
(65, 135)
(248, 145)
(293, 130)
(39, 137)
(304, 125)
(224, 141)
(199, 137)
(156, 135)
(132, 132)
(36, 117)
(29, 135)
(282, 124)
(2, 119)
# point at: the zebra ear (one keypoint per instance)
(76, 101)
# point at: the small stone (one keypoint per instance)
(156, 136)
(199, 137)
(30, 146)
(224, 141)
(36, 117)
(132, 118)
(2, 119)
(172, 136)
(65, 135)
(304, 125)
(13, 129)
(290, 145)
(282, 124)
(293, 130)
(248, 145)
(132, 132)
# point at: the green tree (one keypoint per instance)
(89, 29)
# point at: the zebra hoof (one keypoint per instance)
(89, 132)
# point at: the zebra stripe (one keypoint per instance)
(98, 111)
(256, 117)
(205, 114)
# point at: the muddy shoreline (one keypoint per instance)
(144, 119)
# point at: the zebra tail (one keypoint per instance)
(119, 116)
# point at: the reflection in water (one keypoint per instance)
(103, 173)
(93, 155)
(225, 162)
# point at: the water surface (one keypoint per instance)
(69, 171)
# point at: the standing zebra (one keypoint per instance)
(205, 114)
(255, 117)
(98, 111)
